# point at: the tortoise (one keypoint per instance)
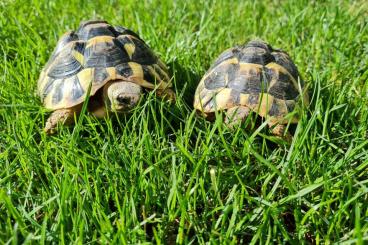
(253, 77)
(111, 65)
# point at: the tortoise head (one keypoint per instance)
(121, 96)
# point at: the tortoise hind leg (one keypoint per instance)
(61, 116)
(236, 115)
(279, 131)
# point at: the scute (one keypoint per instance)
(45, 90)
(58, 92)
(282, 88)
(274, 111)
(93, 55)
(124, 31)
(256, 55)
(100, 75)
(94, 29)
(104, 54)
(77, 90)
(65, 65)
(124, 70)
(219, 77)
(290, 105)
(142, 54)
(258, 44)
(64, 40)
(253, 100)
(284, 60)
(83, 24)
(248, 80)
(235, 96)
(253, 75)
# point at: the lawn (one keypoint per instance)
(163, 174)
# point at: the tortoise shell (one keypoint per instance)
(253, 75)
(86, 59)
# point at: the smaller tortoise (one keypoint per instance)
(111, 64)
(252, 77)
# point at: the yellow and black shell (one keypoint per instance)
(86, 59)
(256, 76)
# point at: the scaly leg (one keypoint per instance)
(279, 131)
(167, 94)
(61, 116)
(236, 115)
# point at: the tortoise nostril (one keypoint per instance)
(124, 100)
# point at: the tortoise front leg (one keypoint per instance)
(61, 116)
(236, 115)
(168, 94)
(279, 131)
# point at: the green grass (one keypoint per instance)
(164, 174)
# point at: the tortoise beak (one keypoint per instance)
(122, 96)
(125, 101)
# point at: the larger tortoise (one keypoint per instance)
(253, 77)
(111, 64)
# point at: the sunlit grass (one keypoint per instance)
(163, 174)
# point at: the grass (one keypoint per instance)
(164, 174)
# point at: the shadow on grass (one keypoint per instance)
(185, 81)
